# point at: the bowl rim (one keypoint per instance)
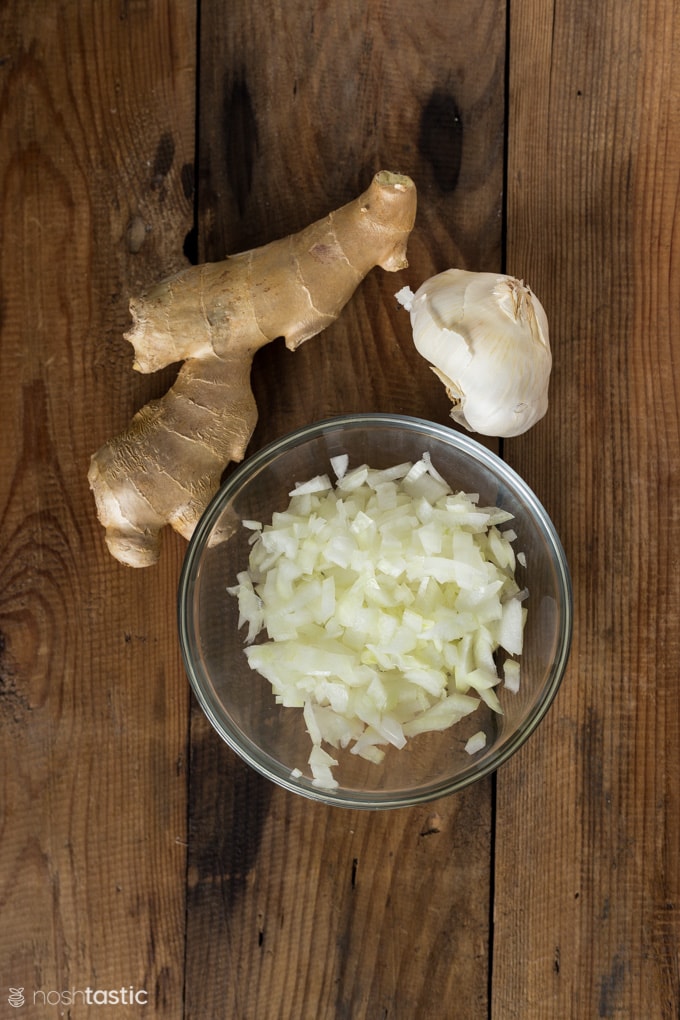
(256, 758)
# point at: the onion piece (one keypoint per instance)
(476, 742)
(511, 675)
(340, 464)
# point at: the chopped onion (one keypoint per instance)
(319, 484)
(381, 605)
(511, 675)
(476, 742)
(340, 464)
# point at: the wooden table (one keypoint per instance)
(138, 854)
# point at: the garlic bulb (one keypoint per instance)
(486, 337)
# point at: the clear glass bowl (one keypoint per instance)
(239, 702)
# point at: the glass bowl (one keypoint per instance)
(240, 703)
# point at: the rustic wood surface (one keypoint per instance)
(137, 853)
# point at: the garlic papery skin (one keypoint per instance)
(485, 336)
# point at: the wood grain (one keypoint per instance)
(296, 910)
(97, 121)
(586, 902)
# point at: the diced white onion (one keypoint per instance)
(381, 605)
(476, 742)
(340, 464)
(511, 672)
(319, 484)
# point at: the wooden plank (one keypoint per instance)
(97, 126)
(588, 873)
(296, 910)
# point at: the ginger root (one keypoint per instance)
(166, 467)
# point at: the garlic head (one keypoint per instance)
(485, 336)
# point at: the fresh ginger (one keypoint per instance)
(166, 467)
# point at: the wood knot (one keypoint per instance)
(432, 825)
(135, 235)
